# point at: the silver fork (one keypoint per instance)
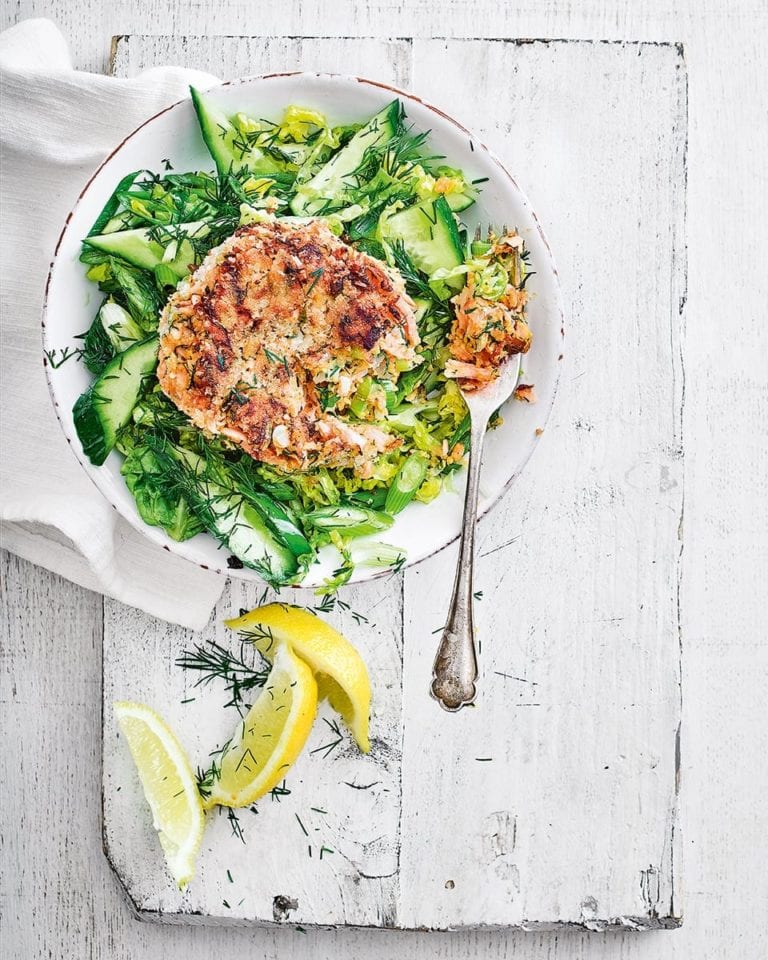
(455, 669)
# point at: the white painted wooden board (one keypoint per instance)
(559, 792)
(554, 801)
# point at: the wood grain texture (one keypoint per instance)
(615, 520)
(230, 58)
(592, 525)
(63, 902)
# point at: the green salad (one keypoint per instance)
(377, 188)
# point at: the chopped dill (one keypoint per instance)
(234, 823)
(279, 791)
(326, 749)
(211, 662)
(66, 354)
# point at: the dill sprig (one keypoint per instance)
(234, 823)
(97, 349)
(416, 283)
(209, 490)
(327, 604)
(258, 634)
(66, 354)
(331, 601)
(396, 155)
(213, 662)
(279, 791)
(326, 749)
(206, 779)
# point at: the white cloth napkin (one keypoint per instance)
(56, 126)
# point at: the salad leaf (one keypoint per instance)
(119, 326)
(157, 494)
(112, 205)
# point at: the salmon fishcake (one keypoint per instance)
(268, 340)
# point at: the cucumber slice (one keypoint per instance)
(230, 150)
(349, 521)
(107, 404)
(138, 247)
(251, 541)
(332, 181)
(429, 235)
(121, 221)
(279, 520)
(235, 522)
(459, 201)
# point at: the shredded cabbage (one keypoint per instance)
(491, 279)
(299, 123)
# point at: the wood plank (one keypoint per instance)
(232, 57)
(560, 742)
(356, 884)
(557, 795)
(50, 695)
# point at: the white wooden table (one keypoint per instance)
(58, 896)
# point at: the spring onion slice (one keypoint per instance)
(348, 521)
(406, 483)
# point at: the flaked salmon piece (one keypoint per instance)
(460, 370)
(484, 333)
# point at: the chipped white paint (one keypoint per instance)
(58, 897)
(503, 850)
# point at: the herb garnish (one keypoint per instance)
(213, 662)
(327, 748)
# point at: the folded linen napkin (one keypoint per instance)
(56, 126)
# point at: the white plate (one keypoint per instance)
(71, 300)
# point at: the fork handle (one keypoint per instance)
(455, 669)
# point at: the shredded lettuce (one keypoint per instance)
(430, 488)
(440, 180)
(491, 279)
(300, 123)
(157, 497)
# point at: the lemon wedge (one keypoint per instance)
(270, 736)
(169, 786)
(341, 673)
